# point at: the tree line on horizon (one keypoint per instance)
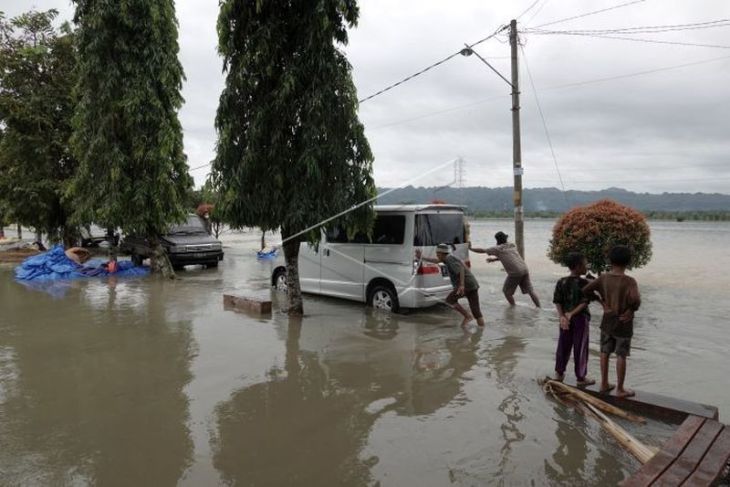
(549, 202)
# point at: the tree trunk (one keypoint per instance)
(294, 290)
(263, 240)
(39, 236)
(159, 261)
(20, 231)
(2, 230)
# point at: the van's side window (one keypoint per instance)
(389, 229)
(336, 234)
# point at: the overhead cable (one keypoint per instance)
(544, 124)
(551, 88)
(566, 19)
(634, 39)
(428, 68)
(647, 29)
(527, 9)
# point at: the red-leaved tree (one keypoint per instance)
(595, 228)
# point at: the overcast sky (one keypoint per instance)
(663, 131)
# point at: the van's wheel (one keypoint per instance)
(383, 297)
(137, 259)
(279, 279)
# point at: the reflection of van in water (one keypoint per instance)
(382, 270)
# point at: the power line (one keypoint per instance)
(527, 9)
(428, 68)
(551, 88)
(638, 73)
(643, 29)
(566, 19)
(536, 12)
(544, 124)
(635, 39)
(200, 167)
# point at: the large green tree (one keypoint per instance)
(37, 63)
(291, 151)
(127, 137)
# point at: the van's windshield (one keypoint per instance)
(436, 228)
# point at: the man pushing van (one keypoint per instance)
(463, 281)
(517, 273)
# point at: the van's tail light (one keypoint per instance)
(428, 268)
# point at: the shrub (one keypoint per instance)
(595, 228)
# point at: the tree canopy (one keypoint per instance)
(37, 63)
(291, 151)
(127, 137)
(594, 229)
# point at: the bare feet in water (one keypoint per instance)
(467, 319)
(624, 393)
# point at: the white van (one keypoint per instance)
(382, 270)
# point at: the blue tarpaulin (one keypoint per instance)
(271, 254)
(54, 265)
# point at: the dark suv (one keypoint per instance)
(186, 244)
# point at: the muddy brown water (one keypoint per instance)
(148, 382)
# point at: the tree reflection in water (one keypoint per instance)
(308, 424)
(97, 396)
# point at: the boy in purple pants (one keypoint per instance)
(572, 307)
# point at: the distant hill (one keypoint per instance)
(481, 199)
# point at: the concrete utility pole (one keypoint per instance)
(516, 143)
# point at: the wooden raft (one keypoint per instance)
(656, 406)
(696, 455)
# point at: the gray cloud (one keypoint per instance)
(665, 131)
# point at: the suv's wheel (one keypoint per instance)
(279, 279)
(383, 297)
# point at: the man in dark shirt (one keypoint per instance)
(463, 281)
(514, 265)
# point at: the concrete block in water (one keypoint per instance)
(253, 304)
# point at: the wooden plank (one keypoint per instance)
(254, 304)
(715, 461)
(599, 403)
(688, 460)
(654, 405)
(669, 452)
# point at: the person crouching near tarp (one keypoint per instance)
(514, 265)
(463, 281)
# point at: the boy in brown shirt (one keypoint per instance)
(620, 298)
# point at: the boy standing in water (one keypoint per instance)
(514, 264)
(572, 307)
(620, 297)
(463, 281)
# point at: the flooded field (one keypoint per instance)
(148, 382)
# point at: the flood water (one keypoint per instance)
(151, 382)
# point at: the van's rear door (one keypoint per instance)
(433, 227)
